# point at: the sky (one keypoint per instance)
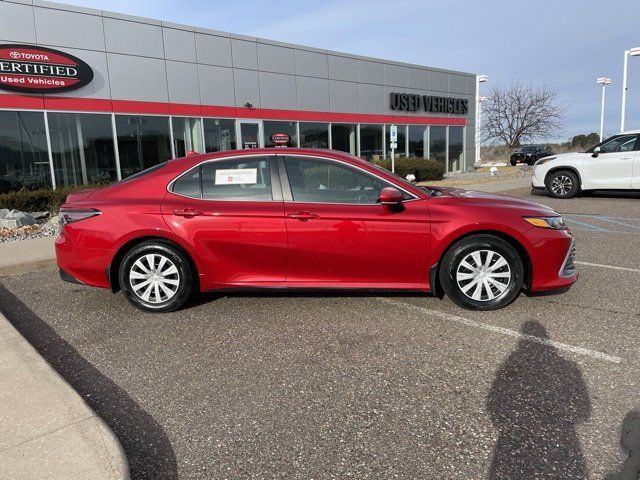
(564, 44)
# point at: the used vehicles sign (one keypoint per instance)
(32, 69)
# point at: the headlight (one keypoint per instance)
(544, 160)
(555, 223)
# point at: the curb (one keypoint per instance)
(46, 429)
(24, 256)
(27, 267)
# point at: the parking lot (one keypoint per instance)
(363, 385)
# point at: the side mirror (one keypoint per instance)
(390, 196)
(596, 152)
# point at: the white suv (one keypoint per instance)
(611, 165)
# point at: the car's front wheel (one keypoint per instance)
(155, 276)
(563, 184)
(482, 272)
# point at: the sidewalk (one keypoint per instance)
(46, 430)
(488, 184)
(22, 256)
(499, 185)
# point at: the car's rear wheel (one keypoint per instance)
(482, 272)
(155, 276)
(563, 184)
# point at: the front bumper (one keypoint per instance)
(553, 260)
(537, 180)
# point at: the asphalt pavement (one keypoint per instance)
(364, 386)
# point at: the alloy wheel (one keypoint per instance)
(483, 275)
(154, 278)
(561, 185)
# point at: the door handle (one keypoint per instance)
(625, 158)
(303, 216)
(187, 213)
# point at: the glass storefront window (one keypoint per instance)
(402, 141)
(314, 135)
(438, 144)
(343, 138)
(219, 134)
(143, 141)
(456, 148)
(24, 160)
(419, 141)
(270, 127)
(82, 148)
(371, 142)
(187, 136)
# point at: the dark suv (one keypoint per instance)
(529, 154)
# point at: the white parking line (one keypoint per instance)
(612, 267)
(504, 331)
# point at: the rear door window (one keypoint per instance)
(247, 179)
(244, 179)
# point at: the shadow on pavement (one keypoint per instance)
(148, 448)
(630, 444)
(536, 401)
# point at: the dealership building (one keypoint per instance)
(93, 96)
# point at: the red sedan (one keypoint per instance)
(295, 218)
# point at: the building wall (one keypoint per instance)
(181, 67)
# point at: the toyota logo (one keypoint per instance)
(14, 54)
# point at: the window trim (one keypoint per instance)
(276, 189)
(286, 186)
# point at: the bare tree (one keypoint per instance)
(520, 114)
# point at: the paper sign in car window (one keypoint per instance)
(237, 176)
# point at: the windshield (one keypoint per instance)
(398, 177)
(529, 148)
(144, 172)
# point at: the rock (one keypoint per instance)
(15, 219)
(52, 224)
(39, 215)
(3, 212)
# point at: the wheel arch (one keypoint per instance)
(114, 266)
(571, 168)
(434, 271)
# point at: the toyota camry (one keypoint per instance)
(305, 219)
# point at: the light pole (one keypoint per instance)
(604, 81)
(479, 79)
(479, 127)
(632, 52)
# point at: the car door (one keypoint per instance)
(341, 236)
(231, 212)
(613, 166)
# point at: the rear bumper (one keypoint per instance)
(81, 264)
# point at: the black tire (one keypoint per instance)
(460, 252)
(562, 184)
(184, 275)
(513, 163)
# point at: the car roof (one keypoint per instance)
(323, 152)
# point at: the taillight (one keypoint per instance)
(71, 215)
